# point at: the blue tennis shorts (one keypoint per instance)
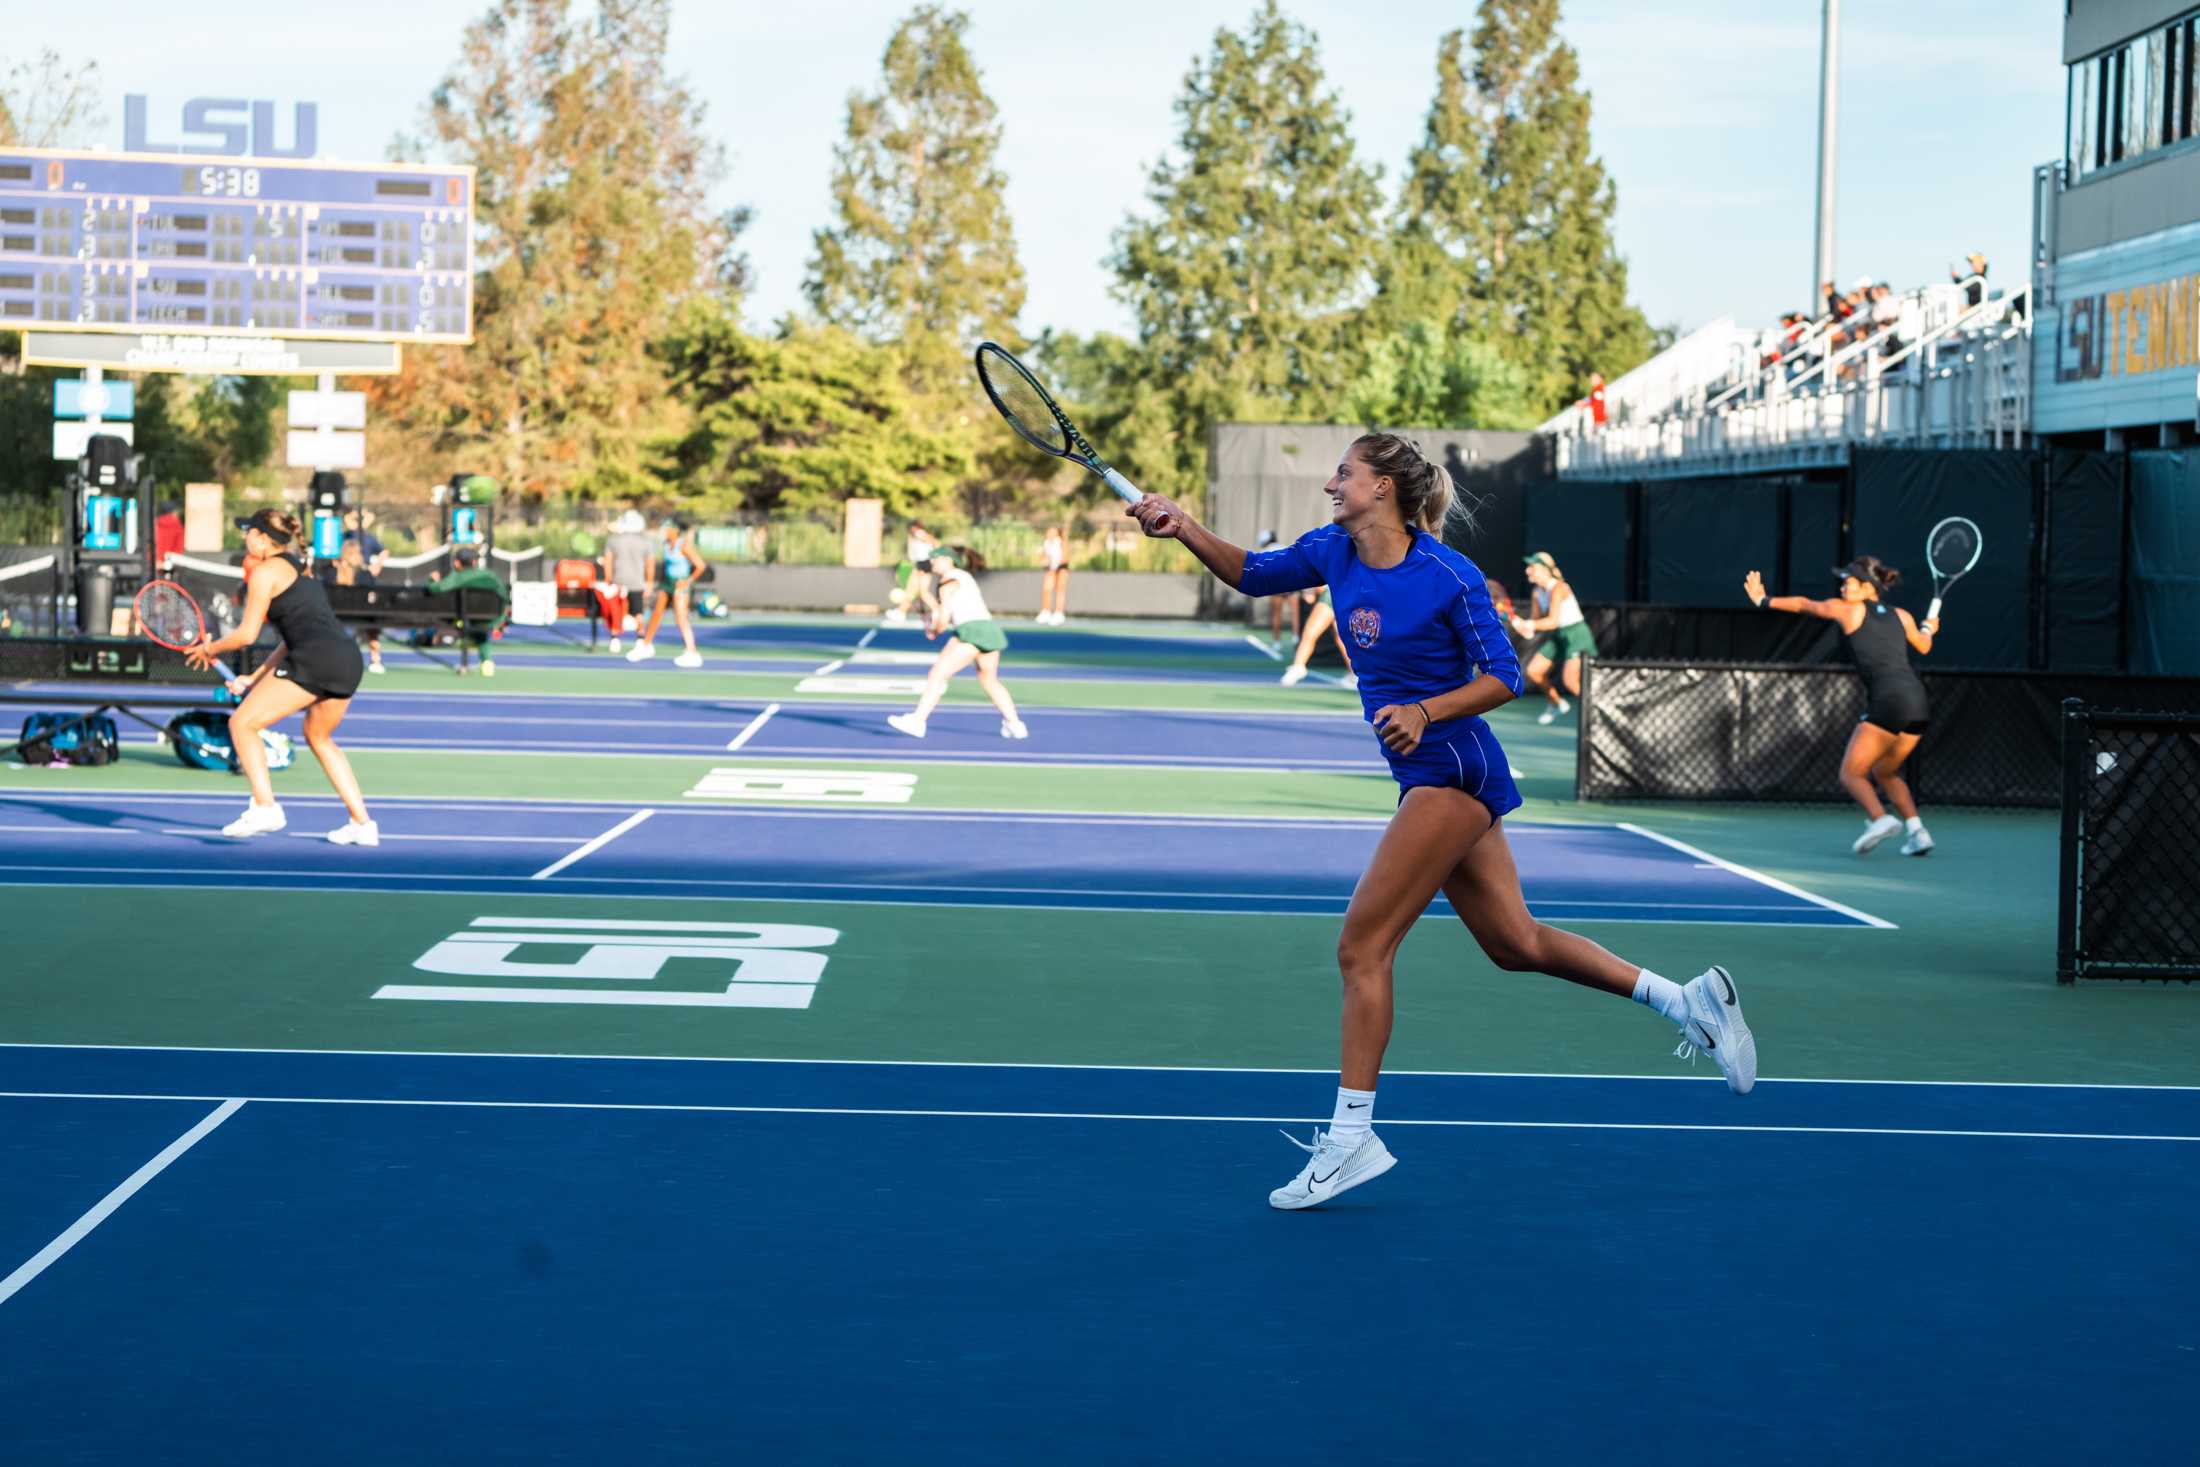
(1470, 761)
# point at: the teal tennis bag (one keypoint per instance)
(201, 741)
(83, 741)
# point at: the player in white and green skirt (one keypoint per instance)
(978, 638)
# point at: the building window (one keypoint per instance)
(2135, 98)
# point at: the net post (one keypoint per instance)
(1582, 729)
(2075, 746)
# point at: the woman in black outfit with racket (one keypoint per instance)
(1895, 710)
(316, 669)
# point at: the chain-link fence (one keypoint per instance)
(1768, 732)
(2130, 846)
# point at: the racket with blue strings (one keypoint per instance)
(1032, 411)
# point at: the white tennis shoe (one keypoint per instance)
(1293, 676)
(688, 659)
(1920, 843)
(1875, 833)
(1013, 728)
(642, 652)
(908, 723)
(1716, 1027)
(1335, 1166)
(256, 820)
(356, 833)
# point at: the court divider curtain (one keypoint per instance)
(2165, 562)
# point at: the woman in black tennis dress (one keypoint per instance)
(316, 669)
(1895, 711)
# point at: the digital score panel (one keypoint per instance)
(135, 242)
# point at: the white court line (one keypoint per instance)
(201, 830)
(1263, 648)
(1758, 876)
(1044, 1115)
(905, 1064)
(269, 880)
(77, 1231)
(593, 846)
(865, 641)
(830, 668)
(748, 730)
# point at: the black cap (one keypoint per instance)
(1855, 570)
(263, 520)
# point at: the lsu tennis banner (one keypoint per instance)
(2120, 344)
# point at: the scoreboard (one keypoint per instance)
(169, 242)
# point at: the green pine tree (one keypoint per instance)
(1505, 219)
(1247, 278)
(922, 256)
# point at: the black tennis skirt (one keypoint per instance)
(327, 667)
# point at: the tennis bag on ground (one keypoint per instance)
(91, 741)
(201, 741)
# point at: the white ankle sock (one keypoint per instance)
(1913, 825)
(1662, 994)
(1355, 1113)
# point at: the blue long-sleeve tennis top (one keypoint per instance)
(1421, 627)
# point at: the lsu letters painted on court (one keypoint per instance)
(775, 965)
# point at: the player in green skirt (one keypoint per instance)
(1570, 640)
(978, 638)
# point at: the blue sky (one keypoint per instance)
(1705, 112)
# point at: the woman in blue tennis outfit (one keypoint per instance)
(677, 566)
(1432, 658)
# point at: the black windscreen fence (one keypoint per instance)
(1724, 731)
(1637, 632)
(2130, 846)
(1701, 536)
(1588, 528)
(1899, 495)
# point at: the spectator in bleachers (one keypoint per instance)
(1596, 398)
(167, 533)
(1970, 273)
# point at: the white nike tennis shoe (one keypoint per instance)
(1293, 676)
(908, 723)
(257, 820)
(1715, 1027)
(1335, 1166)
(688, 659)
(642, 652)
(1920, 843)
(356, 833)
(1875, 833)
(1013, 728)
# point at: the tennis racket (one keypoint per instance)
(170, 617)
(1950, 551)
(1033, 413)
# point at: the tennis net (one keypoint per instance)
(2130, 846)
(30, 597)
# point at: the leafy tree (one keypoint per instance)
(1429, 373)
(47, 103)
(921, 256)
(594, 227)
(800, 421)
(1248, 277)
(1504, 227)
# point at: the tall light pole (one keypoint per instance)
(1829, 109)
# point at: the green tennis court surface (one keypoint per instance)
(941, 990)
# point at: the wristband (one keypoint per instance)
(1425, 719)
(1763, 603)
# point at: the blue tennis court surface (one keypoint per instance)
(1570, 873)
(839, 730)
(563, 1260)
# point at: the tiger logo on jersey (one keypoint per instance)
(1366, 625)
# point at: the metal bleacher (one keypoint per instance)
(1961, 378)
